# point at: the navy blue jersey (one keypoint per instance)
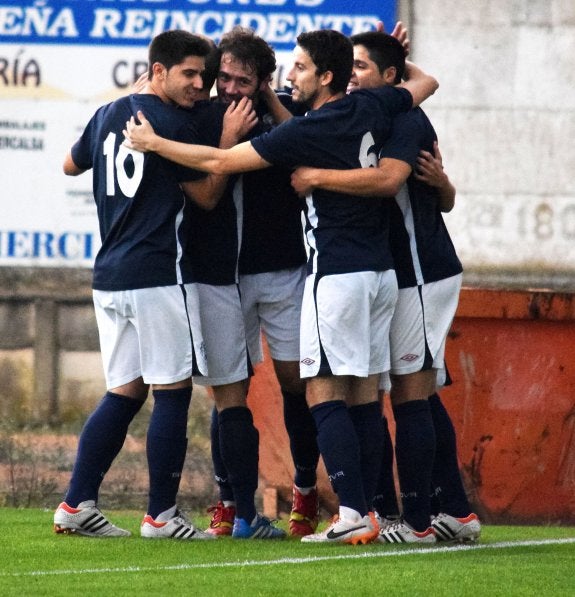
(256, 226)
(272, 236)
(214, 240)
(142, 211)
(420, 243)
(344, 233)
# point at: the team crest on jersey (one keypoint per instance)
(409, 357)
(307, 361)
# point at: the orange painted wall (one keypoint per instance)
(512, 357)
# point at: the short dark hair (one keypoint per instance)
(173, 47)
(384, 50)
(212, 65)
(249, 49)
(330, 51)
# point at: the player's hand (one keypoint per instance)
(302, 180)
(140, 84)
(139, 136)
(266, 85)
(429, 167)
(239, 119)
(400, 33)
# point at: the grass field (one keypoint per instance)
(508, 561)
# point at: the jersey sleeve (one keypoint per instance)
(282, 145)
(393, 100)
(405, 140)
(82, 150)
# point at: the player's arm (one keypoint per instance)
(69, 166)
(429, 169)
(383, 181)
(241, 158)
(419, 84)
(207, 192)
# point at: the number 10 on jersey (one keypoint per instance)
(127, 166)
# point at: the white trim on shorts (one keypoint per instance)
(153, 333)
(224, 335)
(345, 323)
(271, 303)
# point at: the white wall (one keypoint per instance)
(505, 117)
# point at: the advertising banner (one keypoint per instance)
(61, 59)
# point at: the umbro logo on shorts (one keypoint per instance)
(307, 361)
(409, 357)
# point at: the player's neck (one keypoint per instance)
(326, 99)
(153, 88)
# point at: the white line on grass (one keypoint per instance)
(303, 560)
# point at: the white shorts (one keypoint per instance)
(153, 333)
(271, 303)
(420, 324)
(224, 335)
(345, 323)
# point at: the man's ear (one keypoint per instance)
(326, 78)
(389, 75)
(158, 70)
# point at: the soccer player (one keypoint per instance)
(244, 70)
(145, 300)
(272, 275)
(213, 250)
(270, 271)
(350, 288)
(429, 279)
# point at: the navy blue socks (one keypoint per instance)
(447, 484)
(166, 445)
(339, 447)
(239, 448)
(302, 434)
(100, 442)
(366, 419)
(414, 453)
(225, 490)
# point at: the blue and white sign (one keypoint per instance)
(135, 22)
